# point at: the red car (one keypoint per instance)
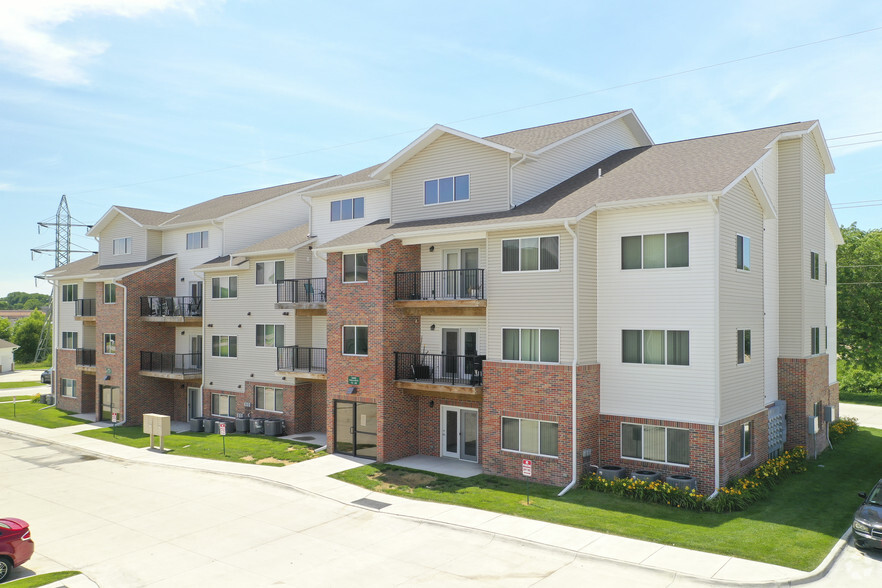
(16, 545)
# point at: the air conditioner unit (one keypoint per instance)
(813, 422)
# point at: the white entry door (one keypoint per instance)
(459, 433)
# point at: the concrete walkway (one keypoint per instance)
(312, 477)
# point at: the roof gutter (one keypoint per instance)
(575, 237)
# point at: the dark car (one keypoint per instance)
(867, 524)
(16, 545)
(46, 377)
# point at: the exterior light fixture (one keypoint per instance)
(432, 248)
(432, 327)
(351, 390)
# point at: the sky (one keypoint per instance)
(161, 104)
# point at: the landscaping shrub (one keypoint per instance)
(842, 428)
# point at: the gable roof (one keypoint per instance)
(362, 176)
(4, 344)
(538, 138)
(87, 269)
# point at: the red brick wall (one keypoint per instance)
(297, 405)
(319, 400)
(802, 382)
(429, 425)
(65, 368)
(731, 464)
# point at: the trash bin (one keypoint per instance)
(257, 426)
(272, 427)
(196, 424)
(242, 425)
(208, 425)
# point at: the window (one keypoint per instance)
(746, 439)
(224, 346)
(815, 261)
(541, 345)
(655, 347)
(269, 272)
(450, 189)
(816, 340)
(355, 341)
(223, 405)
(743, 346)
(109, 293)
(530, 254)
(529, 436)
(68, 388)
(197, 240)
(742, 256)
(68, 292)
(655, 251)
(355, 267)
(653, 443)
(270, 335)
(347, 209)
(122, 246)
(268, 398)
(69, 340)
(225, 287)
(109, 343)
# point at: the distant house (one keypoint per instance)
(15, 315)
(7, 363)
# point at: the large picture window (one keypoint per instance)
(347, 209)
(268, 398)
(197, 240)
(542, 345)
(270, 335)
(224, 346)
(355, 340)
(223, 405)
(655, 347)
(653, 443)
(269, 272)
(529, 436)
(655, 251)
(224, 287)
(355, 267)
(529, 254)
(449, 189)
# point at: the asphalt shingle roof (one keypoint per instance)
(88, 267)
(280, 242)
(535, 138)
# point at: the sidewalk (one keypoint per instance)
(312, 477)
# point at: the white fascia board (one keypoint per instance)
(425, 139)
(832, 223)
(646, 139)
(281, 251)
(818, 136)
(58, 279)
(637, 203)
(345, 188)
(757, 186)
(353, 248)
(133, 272)
(105, 219)
(459, 236)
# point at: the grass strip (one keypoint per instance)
(40, 579)
(7, 385)
(30, 413)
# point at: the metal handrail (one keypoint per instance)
(171, 306)
(171, 363)
(460, 284)
(302, 359)
(84, 307)
(85, 357)
(439, 368)
(302, 290)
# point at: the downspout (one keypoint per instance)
(53, 386)
(220, 228)
(716, 211)
(511, 180)
(308, 204)
(575, 238)
(202, 350)
(125, 386)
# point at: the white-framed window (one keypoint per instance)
(443, 190)
(541, 345)
(654, 443)
(355, 267)
(69, 340)
(109, 343)
(197, 240)
(109, 293)
(223, 405)
(655, 251)
(816, 340)
(347, 209)
(266, 398)
(224, 287)
(815, 262)
(122, 246)
(68, 388)
(69, 292)
(655, 347)
(530, 254)
(743, 345)
(224, 346)
(742, 253)
(269, 272)
(529, 436)
(270, 335)
(355, 340)
(746, 439)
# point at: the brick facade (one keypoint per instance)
(732, 465)
(803, 382)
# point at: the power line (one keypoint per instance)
(498, 112)
(850, 136)
(858, 143)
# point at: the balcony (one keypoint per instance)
(431, 374)
(441, 292)
(308, 363)
(171, 366)
(86, 360)
(84, 309)
(172, 309)
(307, 296)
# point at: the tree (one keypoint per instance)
(859, 291)
(5, 329)
(26, 334)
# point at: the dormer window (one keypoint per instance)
(449, 189)
(122, 246)
(347, 209)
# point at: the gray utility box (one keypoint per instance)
(813, 425)
(830, 413)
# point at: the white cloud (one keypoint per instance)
(29, 43)
(5, 187)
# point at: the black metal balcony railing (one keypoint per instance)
(434, 368)
(84, 307)
(171, 306)
(171, 363)
(304, 290)
(461, 284)
(86, 357)
(302, 359)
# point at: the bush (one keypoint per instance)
(854, 380)
(842, 428)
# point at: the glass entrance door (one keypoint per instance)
(111, 402)
(459, 433)
(355, 428)
(195, 352)
(450, 349)
(469, 281)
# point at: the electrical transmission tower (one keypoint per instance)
(63, 223)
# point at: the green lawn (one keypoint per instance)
(45, 365)
(30, 413)
(796, 526)
(239, 448)
(6, 385)
(872, 399)
(40, 580)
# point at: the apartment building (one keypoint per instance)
(573, 294)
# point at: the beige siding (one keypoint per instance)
(538, 299)
(303, 261)
(251, 226)
(668, 299)
(587, 232)
(792, 255)
(770, 305)
(556, 165)
(815, 227)
(431, 340)
(121, 227)
(831, 302)
(434, 260)
(175, 242)
(742, 392)
(319, 331)
(488, 169)
(66, 312)
(768, 173)
(154, 244)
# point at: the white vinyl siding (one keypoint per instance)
(320, 331)
(587, 232)
(770, 306)
(65, 310)
(175, 242)
(447, 156)
(121, 228)
(255, 224)
(830, 255)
